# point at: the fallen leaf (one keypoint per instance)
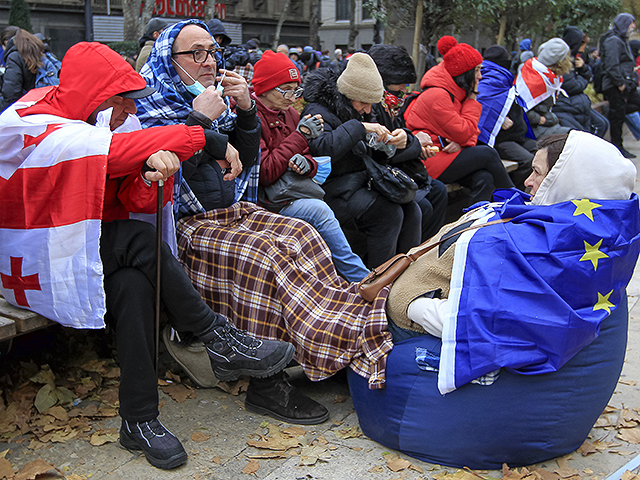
(173, 377)
(74, 476)
(200, 436)
(59, 413)
(234, 388)
(629, 435)
(251, 467)
(587, 448)
(6, 469)
(629, 476)
(339, 399)
(294, 432)
(395, 463)
(416, 468)
(107, 435)
(44, 376)
(350, 432)
(269, 443)
(38, 467)
(179, 392)
(377, 469)
(633, 383)
(269, 455)
(217, 460)
(45, 398)
(610, 409)
(310, 455)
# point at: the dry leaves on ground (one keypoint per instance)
(251, 467)
(349, 432)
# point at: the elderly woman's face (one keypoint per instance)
(540, 168)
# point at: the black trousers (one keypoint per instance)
(127, 249)
(518, 152)
(434, 208)
(389, 228)
(480, 169)
(620, 103)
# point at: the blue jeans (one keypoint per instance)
(319, 214)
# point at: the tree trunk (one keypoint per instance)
(131, 12)
(353, 30)
(276, 38)
(314, 24)
(416, 33)
(503, 27)
(147, 13)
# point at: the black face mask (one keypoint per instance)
(398, 94)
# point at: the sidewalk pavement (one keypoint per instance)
(215, 428)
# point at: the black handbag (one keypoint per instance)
(390, 181)
(292, 186)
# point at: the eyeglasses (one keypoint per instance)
(200, 55)
(289, 94)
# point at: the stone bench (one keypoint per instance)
(509, 166)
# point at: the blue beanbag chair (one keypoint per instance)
(519, 420)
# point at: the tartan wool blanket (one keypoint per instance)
(273, 276)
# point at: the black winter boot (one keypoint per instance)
(234, 352)
(274, 396)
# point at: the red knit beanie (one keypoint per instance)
(458, 57)
(272, 70)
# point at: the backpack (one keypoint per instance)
(47, 74)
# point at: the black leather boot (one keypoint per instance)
(275, 397)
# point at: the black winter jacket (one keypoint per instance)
(17, 79)
(618, 62)
(203, 173)
(347, 185)
(577, 104)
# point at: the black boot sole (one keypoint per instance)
(162, 463)
(230, 375)
(296, 421)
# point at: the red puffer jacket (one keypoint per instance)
(442, 110)
(280, 141)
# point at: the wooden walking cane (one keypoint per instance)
(158, 260)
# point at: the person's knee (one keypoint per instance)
(384, 214)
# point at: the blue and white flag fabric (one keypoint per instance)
(529, 294)
(496, 94)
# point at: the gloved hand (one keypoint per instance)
(310, 127)
(299, 164)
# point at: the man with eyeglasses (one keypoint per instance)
(190, 89)
(284, 147)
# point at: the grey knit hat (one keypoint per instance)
(552, 51)
(361, 81)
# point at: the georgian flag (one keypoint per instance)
(52, 184)
(535, 83)
(530, 293)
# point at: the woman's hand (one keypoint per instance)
(428, 150)
(507, 124)
(452, 147)
(381, 130)
(398, 138)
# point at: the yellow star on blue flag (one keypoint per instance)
(604, 303)
(585, 207)
(593, 253)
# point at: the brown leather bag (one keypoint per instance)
(370, 286)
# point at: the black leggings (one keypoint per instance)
(479, 169)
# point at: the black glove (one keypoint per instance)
(310, 128)
(302, 163)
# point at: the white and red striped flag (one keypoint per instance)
(535, 83)
(52, 185)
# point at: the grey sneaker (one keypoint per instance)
(161, 448)
(192, 356)
(234, 353)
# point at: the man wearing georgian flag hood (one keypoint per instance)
(73, 166)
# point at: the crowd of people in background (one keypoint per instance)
(276, 209)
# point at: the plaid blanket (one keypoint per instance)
(274, 277)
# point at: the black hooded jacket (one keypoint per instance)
(618, 61)
(17, 78)
(577, 104)
(343, 140)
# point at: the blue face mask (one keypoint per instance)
(194, 89)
